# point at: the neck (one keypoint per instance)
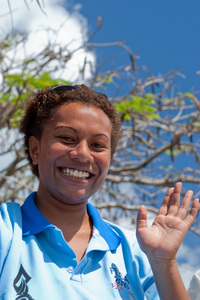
(70, 218)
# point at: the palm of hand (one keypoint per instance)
(164, 237)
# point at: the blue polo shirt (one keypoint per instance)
(37, 263)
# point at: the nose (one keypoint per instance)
(82, 152)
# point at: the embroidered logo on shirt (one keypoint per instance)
(115, 286)
(20, 285)
(120, 281)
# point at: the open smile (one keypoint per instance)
(76, 173)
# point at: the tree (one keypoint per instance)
(160, 127)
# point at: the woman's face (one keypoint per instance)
(73, 154)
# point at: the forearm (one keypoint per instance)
(168, 281)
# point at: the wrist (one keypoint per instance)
(164, 265)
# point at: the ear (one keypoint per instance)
(34, 149)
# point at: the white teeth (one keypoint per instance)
(75, 173)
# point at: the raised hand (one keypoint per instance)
(164, 237)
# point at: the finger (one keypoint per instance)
(183, 209)
(193, 212)
(175, 199)
(164, 207)
(142, 217)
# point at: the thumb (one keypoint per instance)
(142, 217)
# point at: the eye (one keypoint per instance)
(66, 138)
(98, 146)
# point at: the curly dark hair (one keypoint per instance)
(40, 109)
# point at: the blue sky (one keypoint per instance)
(165, 34)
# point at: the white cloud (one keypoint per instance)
(188, 261)
(65, 28)
(189, 255)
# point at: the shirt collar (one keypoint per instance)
(110, 236)
(34, 222)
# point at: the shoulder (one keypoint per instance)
(10, 228)
(130, 245)
(10, 221)
(128, 240)
(10, 212)
(123, 232)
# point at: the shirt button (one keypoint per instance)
(70, 269)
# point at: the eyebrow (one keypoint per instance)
(75, 131)
(65, 127)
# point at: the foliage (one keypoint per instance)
(25, 84)
(137, 106)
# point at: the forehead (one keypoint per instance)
(80, 114)
(79, 108)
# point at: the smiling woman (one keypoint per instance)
(70, 135)
(41, 108)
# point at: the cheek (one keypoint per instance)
(105, 163)
(51, 157)
(50, 152)
(46, 160)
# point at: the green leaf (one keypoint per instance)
(188, 95)
(106, 79)
(175, 152)
(138, 106)
(196, 124)
(32, 82)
